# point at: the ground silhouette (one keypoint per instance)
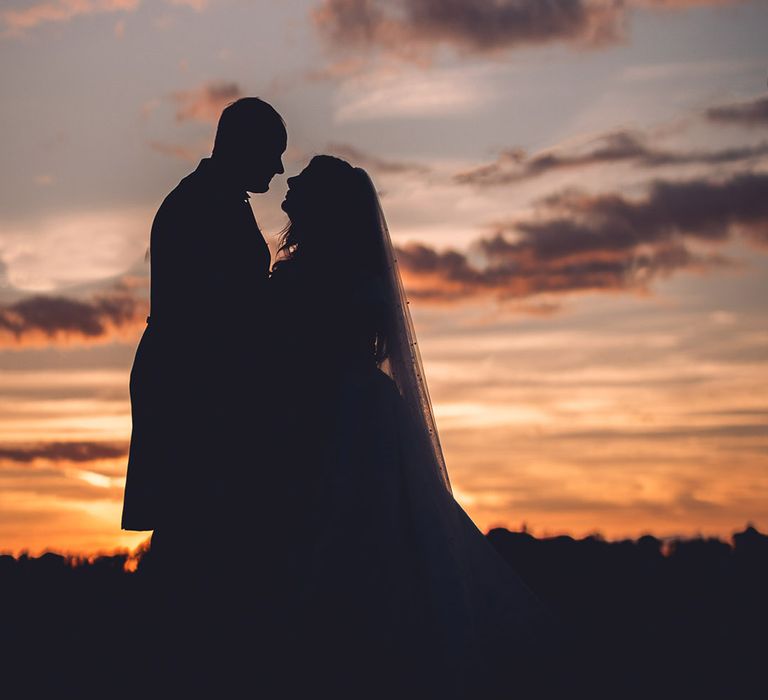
(643, 618)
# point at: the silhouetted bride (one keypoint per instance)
(399, 593)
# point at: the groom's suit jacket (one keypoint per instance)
(197, 361)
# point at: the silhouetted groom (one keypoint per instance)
(190, 378)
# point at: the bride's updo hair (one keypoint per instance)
(334, 218)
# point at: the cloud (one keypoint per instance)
(4, 279)
(475, 26)
(596, 243)
(749, 113)
(44, 180)
(64, 483)
(16, 21)
(62, 451)
(197, 5)
(514, 165)
(205, 103)
(184, 153)
(375, 164)
(45, 320)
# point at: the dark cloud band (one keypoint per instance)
(597, 243)
(49, 319)
(480, 26)
(749, 113)
(474, 25)
(62, 451)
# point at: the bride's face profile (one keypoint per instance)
(333, 212)
(292, 196)
(315, 191)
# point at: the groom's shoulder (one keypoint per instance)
(190, 187)
(188, 195)
(180, 209)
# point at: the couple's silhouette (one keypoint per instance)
(286, 414)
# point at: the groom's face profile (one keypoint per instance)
(250, 142)
(262, 160)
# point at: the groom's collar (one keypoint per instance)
(221, 179)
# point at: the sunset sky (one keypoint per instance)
(579, 192)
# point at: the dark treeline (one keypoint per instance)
(645, 619)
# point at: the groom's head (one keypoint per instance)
(250, 141)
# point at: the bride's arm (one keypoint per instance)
(362, 313)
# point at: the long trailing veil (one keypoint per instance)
(402, 362)
(480, 606)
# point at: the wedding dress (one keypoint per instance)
(398, 593)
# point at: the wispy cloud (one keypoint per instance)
(682, 4)
(622, 146)
(363, 159)
(390, 94)
(16, 20)
(686, 70)
(73, 246)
